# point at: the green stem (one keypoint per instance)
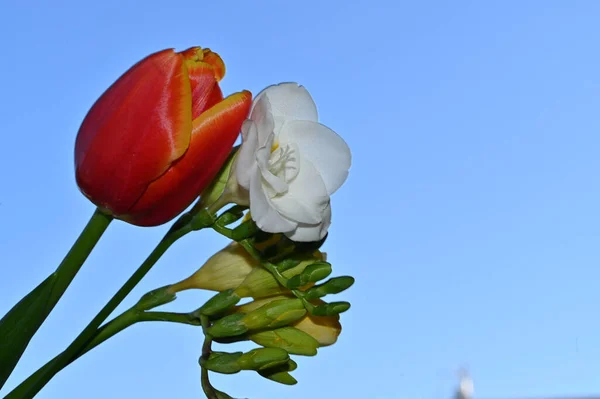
(34, 383)
(19, 325)
(208, 389)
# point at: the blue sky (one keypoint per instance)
(469, 218)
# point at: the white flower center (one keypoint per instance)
(284, 162)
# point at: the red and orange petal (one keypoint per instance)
(134, 131)
(203, 84)
(214, 133)
(217, 63)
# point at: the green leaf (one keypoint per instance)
(20, 323)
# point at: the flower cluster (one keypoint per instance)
(157, 140)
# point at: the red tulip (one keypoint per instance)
(158, 136)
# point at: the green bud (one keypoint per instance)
(275, 314)
(330, 309)
(281, 373)
(217, 187)
(313, 273)
(219, 303)
(287, 264)
(263, 358)
(155, 298)
(332, 286)
(222, 362)
(228, 326)
(292, 340)
(259, 283)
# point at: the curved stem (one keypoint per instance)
(19, 325)
(208, 389)
(32, 385)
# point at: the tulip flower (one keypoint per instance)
(158, 136)
(290, 164)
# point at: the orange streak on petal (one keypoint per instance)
(213, 135)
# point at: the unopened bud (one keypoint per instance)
(222, 362)
(263, 358)
(260, 283)
(155, 298)
(281, 373)
(224, 270)
(313, 273)
(332, 286)
(275, 314)
(292, 340)
(219, 303)
(325, 330)
(330, 309)
(228, 326)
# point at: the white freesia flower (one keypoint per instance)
(290, 164)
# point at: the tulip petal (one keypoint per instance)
(135, 130)
(216, 62)
(311, 232)
(203, 84)
(306, 198)
(327, 151)
(289, 101)
(214, 133)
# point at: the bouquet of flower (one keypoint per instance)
(158, 140)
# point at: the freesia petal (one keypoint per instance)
(263, 117)
(289, 101)
(262, 211)
(214, 133)
(245, 164)
(311, 232)
(306, 199)
(276, 184)
(134, 131)
(327, 151)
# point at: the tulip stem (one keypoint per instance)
(34, 383)
(19, 325)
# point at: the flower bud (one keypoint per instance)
(222, 362)
(330, 309)
(219, 303)
(224, 270)
(313, 273)
(332, 286)
(263, 358)
(292, 340)
(275, 314)
(325, 330)
(228, 326)
(260, 283)
(281, 373)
